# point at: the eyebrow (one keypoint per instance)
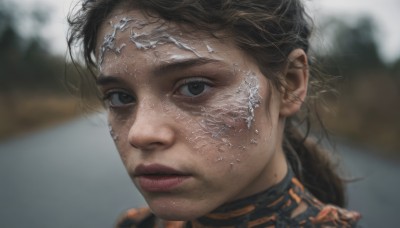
(103, 80)
(182, 64)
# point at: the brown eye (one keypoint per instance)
(119, 99)
(194, 88)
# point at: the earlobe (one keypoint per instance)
(295, 83)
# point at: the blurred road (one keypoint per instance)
(71, 176)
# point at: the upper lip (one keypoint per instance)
(156, 169)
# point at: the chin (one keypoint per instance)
(174, 211)
(174, 214)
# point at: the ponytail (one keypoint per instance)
(312, 165)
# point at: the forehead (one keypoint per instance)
(143, 40)
(146, 32)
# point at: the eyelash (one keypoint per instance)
(108, 99)
(192, 81)
(110, 102)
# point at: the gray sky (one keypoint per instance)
(386, 14)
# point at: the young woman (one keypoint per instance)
(203, 99)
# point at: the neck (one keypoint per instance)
(255, 209)
(273, 173)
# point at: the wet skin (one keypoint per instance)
(195, 122)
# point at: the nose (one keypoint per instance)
(151, 130)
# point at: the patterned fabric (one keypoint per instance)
(287, 204)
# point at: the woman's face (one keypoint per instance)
(195, 122)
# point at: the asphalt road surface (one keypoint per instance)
(70, 176)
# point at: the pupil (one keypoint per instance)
(125, 98)
(196, 88)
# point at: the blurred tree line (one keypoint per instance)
(25, 62)
(354, 49)
(37, 88)
(368, 105)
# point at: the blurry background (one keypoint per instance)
(59, 168)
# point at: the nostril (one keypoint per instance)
(151, 136)
(143, 144)
(149, 146)
(153, 146)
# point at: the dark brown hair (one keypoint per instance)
(268, 30)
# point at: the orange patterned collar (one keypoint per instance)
(287, 204)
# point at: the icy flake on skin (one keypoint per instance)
(109, 39)
(158, 36)
(232, 117)
(143, 41)
(252, 86)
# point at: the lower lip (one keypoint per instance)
(153, 183)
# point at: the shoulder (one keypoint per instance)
(319, 214)
(330, 215)
(144, 218)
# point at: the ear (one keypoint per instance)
(295, 81)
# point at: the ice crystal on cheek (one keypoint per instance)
(234, 110)
(222, 131)
(225, 124)
(253, 87)
(112, 133)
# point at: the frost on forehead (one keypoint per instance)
(158, 36)
(109, 39)
(142, 40)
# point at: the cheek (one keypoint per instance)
(119, 127)
(220, 135)
(225, 131)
